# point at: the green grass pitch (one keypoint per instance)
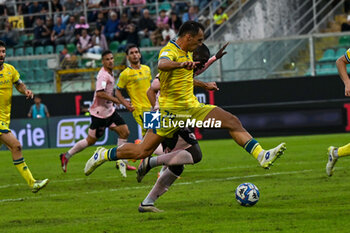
(295, 194)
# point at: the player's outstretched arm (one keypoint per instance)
(210, 86)
(123, 101)
(341, 65)
(168, 65)
(22, 88)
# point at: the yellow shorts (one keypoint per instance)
(170, 118)
(4, 128)
(138, 116)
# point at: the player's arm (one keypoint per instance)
(152, 92)
(165, 64)
(210, 86)
(123, 101)
(21, 88)
(341, 65)
(217, 56)
(103, 95)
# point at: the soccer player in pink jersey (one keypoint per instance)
(103, 113)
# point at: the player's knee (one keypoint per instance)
(196, 153)
(177, 169)
(16, 147)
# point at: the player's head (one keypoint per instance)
(37, 99)
(133, 54)
(2, 52)
(193, 34)
(108, 59)
(202, 55)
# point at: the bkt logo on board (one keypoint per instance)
(70, 131)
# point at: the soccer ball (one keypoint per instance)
(247, 194)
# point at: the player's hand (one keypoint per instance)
(189, 65)
(29, 94)
(129, 107)
(347, 90)
(211, 86)
(221, 52)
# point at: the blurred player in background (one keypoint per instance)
(9, 76)
(38, 109)
(103, 114)
(333, 152)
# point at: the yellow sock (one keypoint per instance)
(24, 170)
(105, 155)
(344, 150)
(257, 151)
(253, 147)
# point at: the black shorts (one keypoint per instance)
(185, 133)
(100, 124)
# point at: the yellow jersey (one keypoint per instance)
(176, 86)
(8, 76)
(136, 83)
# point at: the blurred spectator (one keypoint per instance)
(84, 42)
(38, 109)
(346, 26)
(81, 25)
(41, 33)
(162, 19)
(10, 6)
(190, 15)
(180, 7)
(10, 37)
(219, 17)
(68, 6)
(123, 23)
(167, 34)
(146, 25)
(347, 6)
(130, 34)
(175, 22)
(3, 8)
(34, 7)
(92, 9)
(134, 7)
(70, 30)
(101, 21)
(156, 36)
(56, 6)
(115, 3)
(57, 35)
(78, 8)
(111, 30)
(201, 3)
(99, 42)
(104, 4)
(68, 61)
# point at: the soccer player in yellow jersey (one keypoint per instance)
(9, 76)
(135, 79)
(176, 78)
(333, 152)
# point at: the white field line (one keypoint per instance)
(187, 171)
(176, 184)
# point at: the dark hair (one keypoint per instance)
(201, 53)
(130, 46)
(2, 44)
(190, 27)
(106, 52)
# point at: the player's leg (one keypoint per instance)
(244, 139)
(163, 183)
(333, 154)
(16, 150)
(183, 147)
(91, 139)
(127, 151)
(123, 133)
